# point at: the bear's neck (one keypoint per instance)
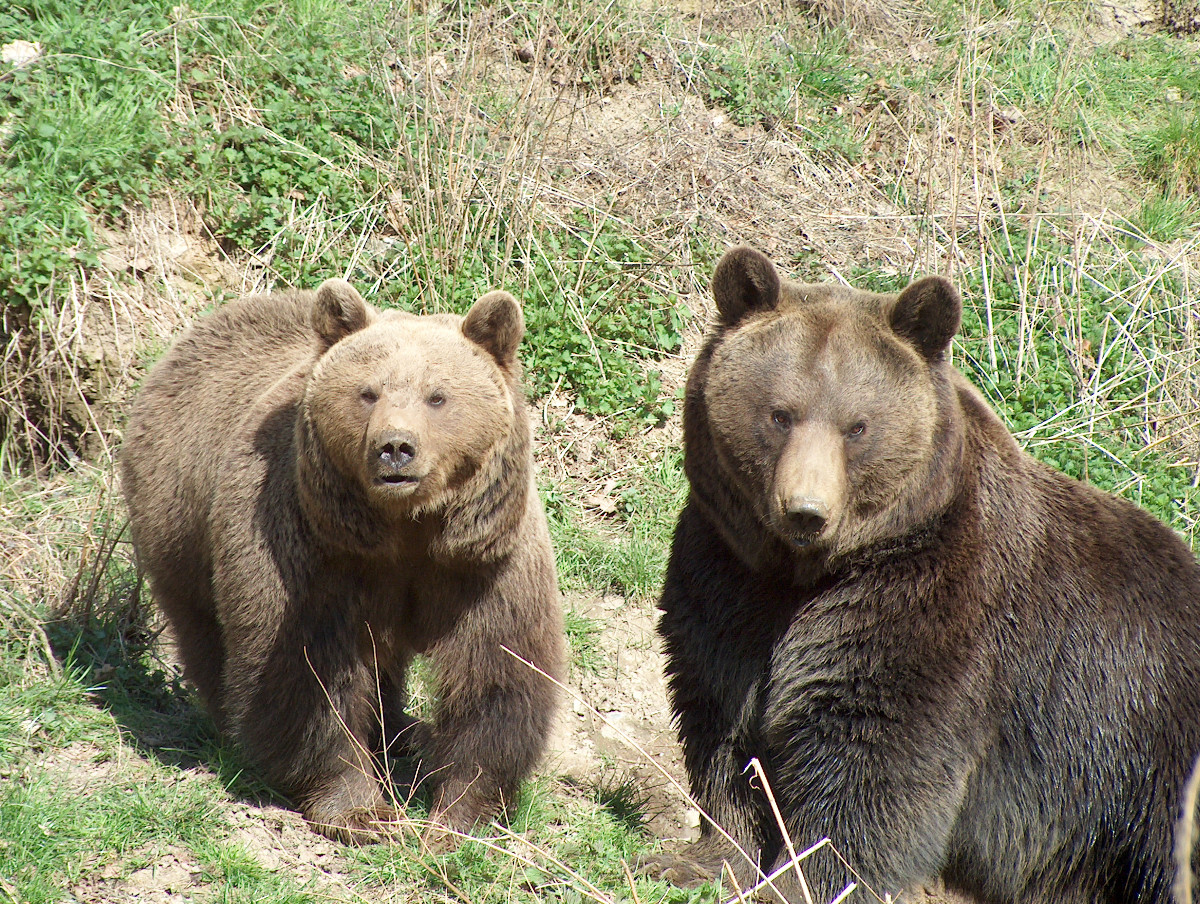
(481, 523)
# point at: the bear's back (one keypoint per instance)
(235, 352)
(196, 395)
(1094, 626)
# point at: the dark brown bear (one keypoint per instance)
(950, 659)
(319, 492)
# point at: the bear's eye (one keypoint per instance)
(436, 400)
(781, 419)
(857, 430)
(368, 395)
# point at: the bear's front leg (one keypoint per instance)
(885, 790)
(495, 706)
(716, 762)
(306, 716)
(718, 642)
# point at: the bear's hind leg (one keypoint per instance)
(197, 634)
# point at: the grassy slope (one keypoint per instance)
(316, 138)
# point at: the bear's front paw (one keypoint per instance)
(689, 865)
(362, 825)
(440, 838)
(679, 871)
(448, 827)
(349, 806)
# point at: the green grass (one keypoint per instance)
(623, 796)
(76, 805)
(1168, 217)
(561, 846)
(798, 78)
(85, 134)
(583, 640)
(626, 551)
(1170, 153)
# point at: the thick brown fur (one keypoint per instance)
(320, 492)
(950, 659)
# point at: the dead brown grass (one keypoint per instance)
(65, 379)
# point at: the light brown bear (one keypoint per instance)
(319, 492)
(950, 659)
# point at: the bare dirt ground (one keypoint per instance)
(616, 722)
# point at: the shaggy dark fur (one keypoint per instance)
(320, 492)
(949, 658)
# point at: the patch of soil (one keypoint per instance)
(277, 840)
(615, 723)
(173, 877)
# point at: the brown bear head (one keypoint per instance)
(411, 409)
(827, 409)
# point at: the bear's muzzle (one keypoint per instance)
(806, 518)
(393, 459)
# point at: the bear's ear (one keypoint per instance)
(338, 311)
(745, 281)
(496, 323)
(927, 314)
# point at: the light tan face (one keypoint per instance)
(410, 408)
(819, 414)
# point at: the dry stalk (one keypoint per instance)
(1185, 839)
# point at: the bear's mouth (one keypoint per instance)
(397, 480)
(806, 540)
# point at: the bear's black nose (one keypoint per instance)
(396, 449)
(807, 518)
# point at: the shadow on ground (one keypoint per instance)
(116, 651)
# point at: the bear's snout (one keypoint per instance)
(810, 484)
(392, 455)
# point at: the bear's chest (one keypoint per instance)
(414, 601)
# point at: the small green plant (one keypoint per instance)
(316, 121)
(591, 327)
(583, 639)
(624, 796)
(1168, 217)
(1170, 154)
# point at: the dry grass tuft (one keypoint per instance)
(61, 542)
(66, 378)
(890, 19)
